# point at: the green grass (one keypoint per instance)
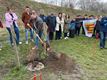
(19, 5)
(84, 50)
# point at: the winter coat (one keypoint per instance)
(72, 25)
(51, 22)
(26, 19)
(9, 20)
(78, 22)
(66, 25)
(37, 24)
(98, 25)
(43, 17)
(58, 23)
(1, 25)
(103, 26)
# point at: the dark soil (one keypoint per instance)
(59, 62)
(54, 61)
(60, 66)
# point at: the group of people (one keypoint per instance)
(46, 26)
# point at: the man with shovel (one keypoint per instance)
(40, 29)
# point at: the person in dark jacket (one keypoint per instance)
(78, 25)
(51, 22)
(72, 29)
(103, 32)
(42, 16)
(40, 28)
(97, 27)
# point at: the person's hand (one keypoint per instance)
(28, 25)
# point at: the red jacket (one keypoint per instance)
(1, 25)
(26, 19)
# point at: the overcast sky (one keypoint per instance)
(104, 0)
(58, 1)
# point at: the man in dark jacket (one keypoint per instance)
(97, 27)
(103, 32)
(51, 22)
(78, 25)
(37, 24)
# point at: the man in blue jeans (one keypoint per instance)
(37, 26)
(103, 32)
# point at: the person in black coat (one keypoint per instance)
(78, 25)
(97, 26)
(103, 32)
(51, 22)
(72, 29)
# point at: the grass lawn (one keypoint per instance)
(84, 50)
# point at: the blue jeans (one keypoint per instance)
(16, 30)
(37, 39)
(102, 39)
(26, 33)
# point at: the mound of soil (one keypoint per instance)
(59, 62)
(54, 61)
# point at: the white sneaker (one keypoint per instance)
(12, 44)
(32, 40)
(66, 38)
(0, 49)
(26, 42)
(20, 42)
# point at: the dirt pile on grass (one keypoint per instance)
(59, 62)
(54, 61)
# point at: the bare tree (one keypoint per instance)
(92, 5)
(68, 3)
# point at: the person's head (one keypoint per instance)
(27, 9)
(67, 16)
(63, 15)
(34, 14)
(78, 16)
(91, 16)
(41, 11)
(98, 17)
(52, 14)
(60, 15)
(85, 16)
(73, 19)
(9, 10)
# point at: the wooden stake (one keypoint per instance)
(15, 46)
